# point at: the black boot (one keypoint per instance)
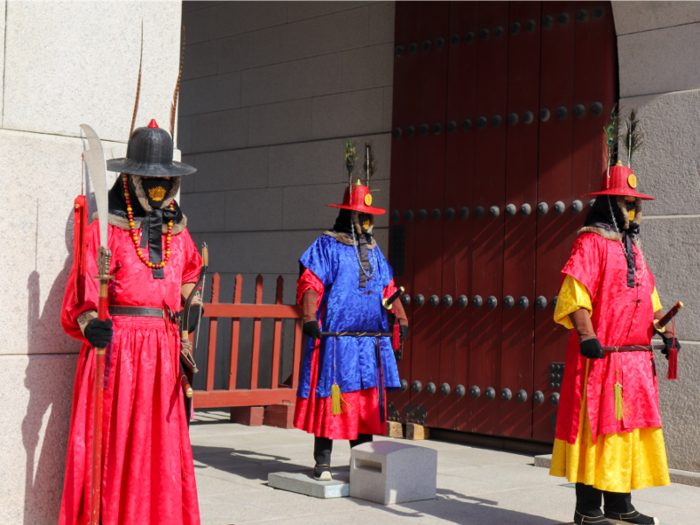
(588, 502)
(361, 439)
(323, 447)
(619, 509)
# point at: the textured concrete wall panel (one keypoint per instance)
(196, 5)
(321, 162)
(671, 249)
(254, 210)
(294, 41)
(57, 77)
(223, 19)
(347, 114)
(184, 135)
(221, 130)
(200, 60)
(667, 166)
(210, 210)
(230, 170)
(280, 123)
(34, 425)
(303, 10)
(634, 17)
(672, 254)
(40, 230)
(381, 23)
(2, 55)
(368, 67)
(387, 116)
(305, 78)
(659, 61)
(213, 93)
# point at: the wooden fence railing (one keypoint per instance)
(215, 311)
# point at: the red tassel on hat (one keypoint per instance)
(673, 356)
(396, 336)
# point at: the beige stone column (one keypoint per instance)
(61, 64)
(658, 45)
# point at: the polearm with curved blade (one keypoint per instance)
(95, 161)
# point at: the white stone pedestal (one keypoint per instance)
(389, 472)
(303, 482)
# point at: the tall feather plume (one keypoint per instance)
(138, 86)
(370, 164)
(173, 106)
(612, 130)
(350, 158)
(634, 136)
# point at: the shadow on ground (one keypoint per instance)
(449, 506)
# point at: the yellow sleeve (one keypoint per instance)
(656, 301)
(573, 296)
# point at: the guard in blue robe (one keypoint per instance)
(343, 381)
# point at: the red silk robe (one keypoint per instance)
(148, 473)
(621, 316)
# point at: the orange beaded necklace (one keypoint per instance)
(134, 233)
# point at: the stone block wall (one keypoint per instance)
(270, 92)
(62, 64)
(660, 78)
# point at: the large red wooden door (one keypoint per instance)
(498, 115)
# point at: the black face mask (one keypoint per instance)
(156, 188)
(343, 222)
(364, 218)
(600, 216)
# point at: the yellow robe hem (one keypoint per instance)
(616, 462)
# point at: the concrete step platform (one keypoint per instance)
(303, 482)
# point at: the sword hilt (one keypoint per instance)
(389, 303)
(660, 324)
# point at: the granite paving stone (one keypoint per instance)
(475, 486)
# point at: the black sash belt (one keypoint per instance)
(139, 311)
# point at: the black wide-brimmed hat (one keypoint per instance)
(150, 154)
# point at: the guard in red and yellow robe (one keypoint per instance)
(148, 472)
(608, 298)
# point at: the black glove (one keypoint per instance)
(99, 333)
(312, 330)
(591, 349)
(403, 331)
(668, 341)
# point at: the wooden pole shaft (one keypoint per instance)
(96, 479)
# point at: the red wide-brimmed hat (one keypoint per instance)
(622, 181)
(359, 199)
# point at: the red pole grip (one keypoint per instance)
(96, 475)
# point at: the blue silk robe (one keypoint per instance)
(348, 361)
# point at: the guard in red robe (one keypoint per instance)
(609, 438)
(344, 378)
(148, 473)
